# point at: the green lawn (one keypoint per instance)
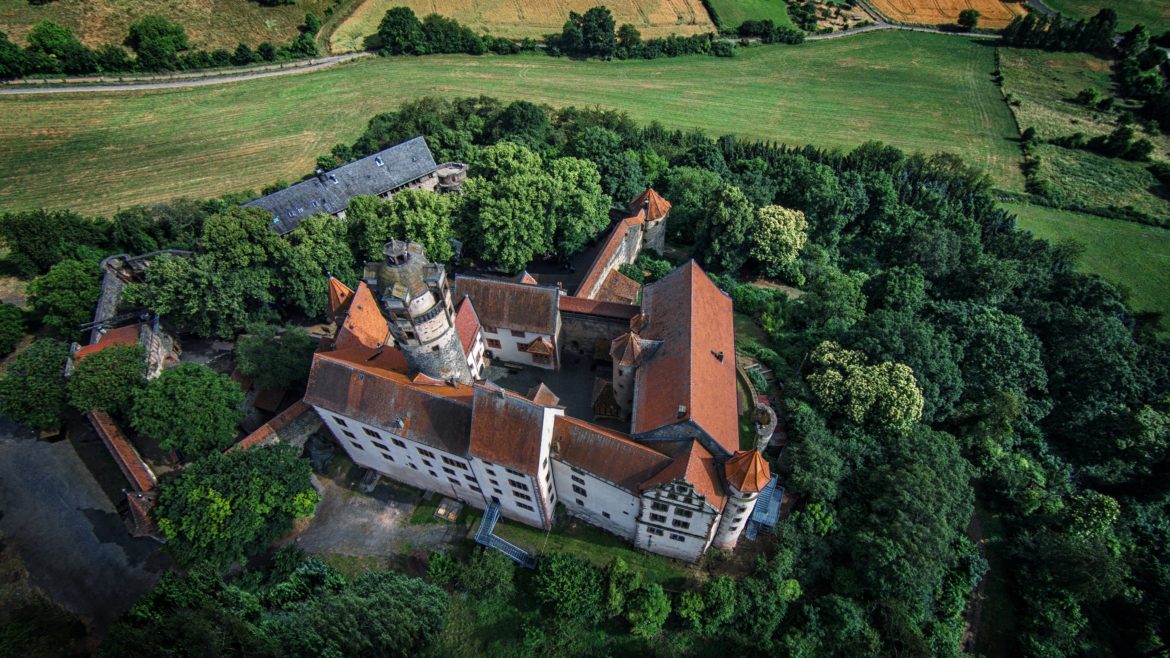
(733, 12)
(597, 546)
(97, 153)
(1154, 14)
(1135, 256)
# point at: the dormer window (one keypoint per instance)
(378, 161)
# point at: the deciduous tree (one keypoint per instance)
(107, 381)
(275, 358)
(32, 386)
(777, 238)
(66, 295)
(189, 408)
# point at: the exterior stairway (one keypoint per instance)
(485, 537)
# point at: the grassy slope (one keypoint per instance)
(734, 12)
(210, 24)
(1080, 178)
(530, 18)
(1154, 14)
(97, 153)
(1135, 256)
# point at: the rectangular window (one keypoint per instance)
(580, 491)
(356, 445)
(686, 514)
(527, 507)
(542, 359)
(414, 467)
(427, 463)
(605, 514)
(517, 334)
(522, 496)
(498, 492)
(657, 518)
(340, 421)
(371, 432)
(516, 473)
(658, 507)
(451, 462)
(495, 483)
(489, 470)
(488, 330)
(474, 488)
(379, 445)
(350, 435)
(493, 344)
(580, 503)
(682, 525)
(453, 481)
(545, 464)
(677, 537)
(387, 457)
(577, 479)
(469, 477)
(425, 453)
(449, 471)
(518, 485)
(654, 531)
(398, 443)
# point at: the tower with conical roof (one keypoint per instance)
(747, 474)
(628, 351)
(416, 298)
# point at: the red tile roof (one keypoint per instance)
(466, 324)
(619, 288)
(506, 429)
(364, 324)
(608, 454)
(695, 466)
(656, 207)
(747, 471)
(510, 305)
(626, 349)
(266, 434)
(527, 279)
(543, 395)
(693, 318)
(600, 265)
(133, 466)
(599, 308)
(363, 384)
(340, 295)
(121, 337)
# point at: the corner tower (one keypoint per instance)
(416, 297)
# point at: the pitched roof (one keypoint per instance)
(656, 207)
(584, 306)
(466, 324)
(268, 433)
(357, 384)
(539, 345)
(619, 288)
(121, 337)
(124, 453)
(339, 296)
(626, 349)
(695, 466)
(543, 395)
(364, 324)
(527, 279)
(747, 471)
(610, 455)
(330, 192)
(511, 305)
(506, 429)
(604, 257)
(693, 318)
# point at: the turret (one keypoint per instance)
(747, 474)
(416, 298)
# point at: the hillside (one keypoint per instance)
(921, 92)
(1154, 14)
(210, 24)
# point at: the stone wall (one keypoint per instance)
(579, 332)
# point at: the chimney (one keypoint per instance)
(320, 175)
(718, 355)
(682, 411)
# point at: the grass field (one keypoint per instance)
(1082, 178)
(528, 18)
(1154, 14)
(210, 24)
(921, 92)
(1135, 256)
(993, 13)
(734, 12)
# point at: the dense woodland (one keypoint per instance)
(940, 366)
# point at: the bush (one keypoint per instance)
(11, 327)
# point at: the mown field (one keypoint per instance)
(1154, 14)
(96, 153)
(993, 13)
(733, 12)
(1134, 256)
(528, 18)
(210, 24)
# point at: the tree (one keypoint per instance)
(969, 19)
(66, 295)
(597, 31)
(412, 215)
(275, 359)
(521, 122)
(647, 610)
(32, 386)
(223, 508)
(488, 576)
(243, 55)
(317, 247)
(777, 238)
(13, 61)
(242, 238)
(107, 381)
(621, 581)
(690, 191)
(572, 587)
(39, 239)
(723, 236)
(401, 33)
(620, 168)
(55, 49)
(578, 208)
(157, 41)
(884, 395)
(11, 327)
(189, 408)
(628, 36)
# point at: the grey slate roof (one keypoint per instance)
(331, 191)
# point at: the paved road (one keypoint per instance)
(68, 533)
(179, 82)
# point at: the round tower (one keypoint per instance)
(416, 296)
(747, 474)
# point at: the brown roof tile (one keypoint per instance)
(696, 466)
(543, 395)
(656, 207)
(506, 429)
(364, 324)
(340, 295)
(747, 471)
(626, 349)
(693, 318)
(466, 324)
(266, 434)
(358, 384)
(594, 307)
(610, 455)
(604, 255)
(527, 279)
(124, 453)
(619, 288)
(121, 337)
(540, 346)
(510, 305)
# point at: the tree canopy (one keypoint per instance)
(32, 386)
(107, 381)
(189, 408)
(275, 359)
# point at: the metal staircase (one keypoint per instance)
(485, 537)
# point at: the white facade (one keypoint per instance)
(508, 345)
(475, 356)
(596, 501)
(675, 522)
(736, 512)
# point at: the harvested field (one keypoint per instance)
(993, 13)
(528, 18)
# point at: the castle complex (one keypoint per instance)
(406, 388)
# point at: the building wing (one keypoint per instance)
(510, 305)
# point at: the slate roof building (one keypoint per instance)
(408, 165)
(675, 484)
